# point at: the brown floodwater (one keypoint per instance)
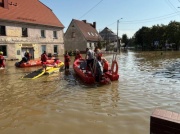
(61, 104)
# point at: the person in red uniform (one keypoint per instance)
(66, 61)
(105, 65)
(44, 59)
(78, 55)
(2, 63)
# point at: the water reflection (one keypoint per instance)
(61, 103)
(172, 70)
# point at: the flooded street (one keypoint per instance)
(61, 104)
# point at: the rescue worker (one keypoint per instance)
(97, 52)
(44, 59)
(27, 55)
(66, 61)
(78, 55)
(105, 65)
(2, 60)
(89, 57)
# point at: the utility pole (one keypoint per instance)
(118, 44)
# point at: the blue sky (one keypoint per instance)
(135, 13)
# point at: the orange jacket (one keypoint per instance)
(106, 66)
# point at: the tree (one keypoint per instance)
(125, 40)
(148, 38)
(142, 37)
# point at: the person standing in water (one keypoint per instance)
(66, 61)
(2, 60)
(44, 59)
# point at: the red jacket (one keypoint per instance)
(44, 57)
(67, 60)
(2, 64)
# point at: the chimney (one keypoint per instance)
(5, 4)
(84, 21)
(94, 25)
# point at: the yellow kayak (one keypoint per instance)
(49, 70)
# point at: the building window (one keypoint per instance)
(55, 34)
(43, 48)
(90, 45)
(2, 30)
(43, 33)
(73, 35)
(3, 48)
(56, 49)
(89, 33)
(24, 32)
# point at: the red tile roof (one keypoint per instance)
(87, 29)
(29, 11)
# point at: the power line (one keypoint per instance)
(148, 20)
(91, 9)
(171, 5)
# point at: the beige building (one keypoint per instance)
(80, 35)
(29, 25)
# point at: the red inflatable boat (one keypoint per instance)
(87, 77)
(32, 63)
(112, 73)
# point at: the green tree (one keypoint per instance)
(125, 40)
(141, 37)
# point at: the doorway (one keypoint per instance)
(30, 50)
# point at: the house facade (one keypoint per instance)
(108, 35)
(80, 35)
(110, 38)
(29, 25)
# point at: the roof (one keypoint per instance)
(28, 11)
(107, 34)
(88, 30)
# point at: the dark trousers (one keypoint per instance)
(90, 63)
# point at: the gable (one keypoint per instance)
(107, 34)
(87, 30)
